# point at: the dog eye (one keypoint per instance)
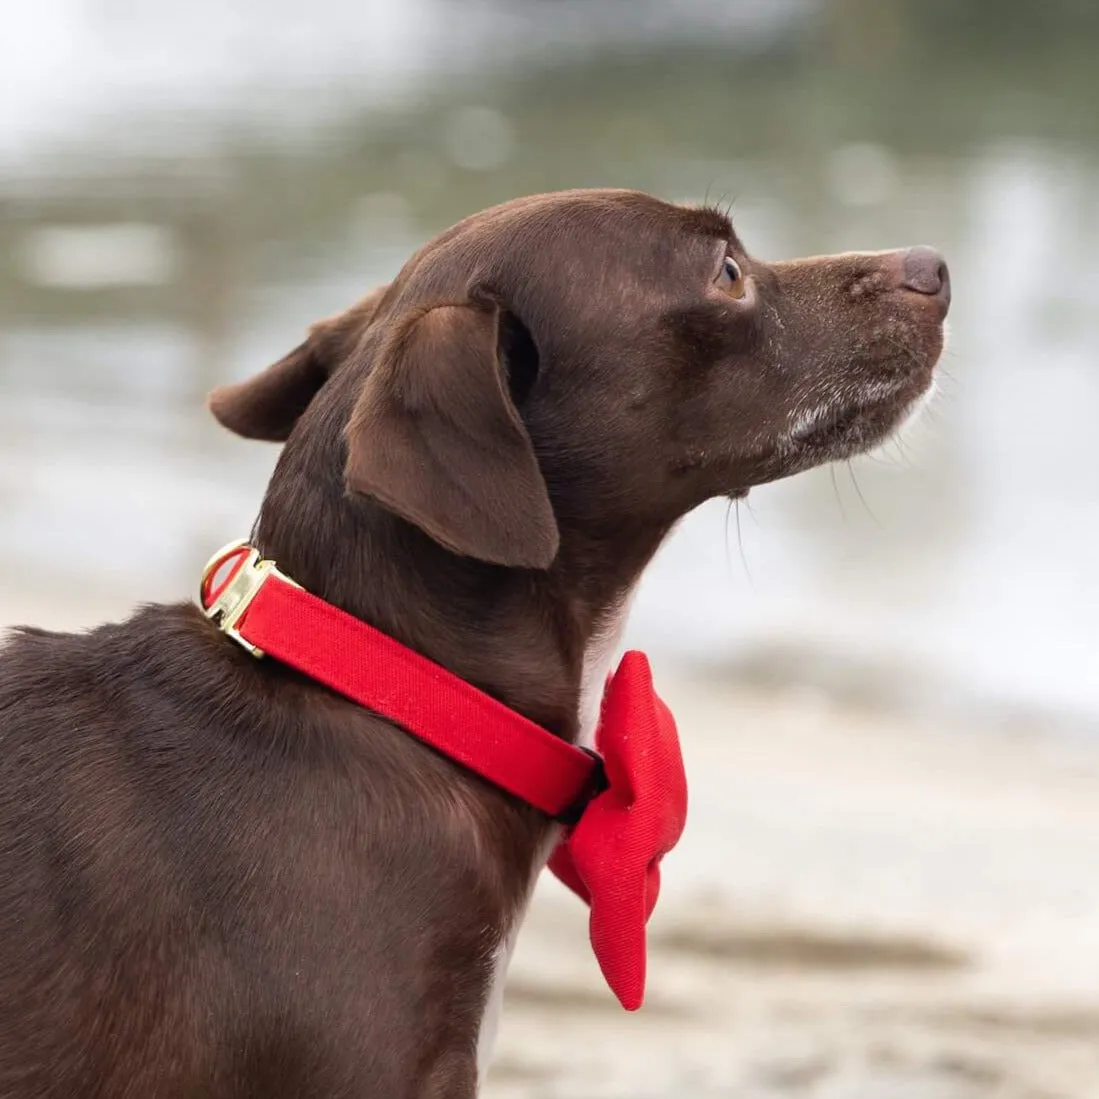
(731, 278)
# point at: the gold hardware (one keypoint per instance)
(237, 595)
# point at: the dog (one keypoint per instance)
(221, 878)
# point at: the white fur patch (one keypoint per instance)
(490, 1021)
(598, 660)
(806, 421)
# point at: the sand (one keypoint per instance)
(863, 907)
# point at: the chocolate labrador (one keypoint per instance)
(218, 877)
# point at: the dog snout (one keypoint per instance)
(924, 271)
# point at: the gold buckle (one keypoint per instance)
(237, 595)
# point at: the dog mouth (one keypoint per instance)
(859, 425)
(828, 429)
(868, 414)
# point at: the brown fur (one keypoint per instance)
(218, 879)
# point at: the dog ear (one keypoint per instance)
(436, 438)
(268, 406)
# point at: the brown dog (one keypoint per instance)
(219, 879)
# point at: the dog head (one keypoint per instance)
(573, 366)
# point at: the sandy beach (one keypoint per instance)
(863, 907)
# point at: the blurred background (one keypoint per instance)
(887, 673)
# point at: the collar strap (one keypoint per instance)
(263, 610)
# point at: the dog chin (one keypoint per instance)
(862, 427)
(911, 416)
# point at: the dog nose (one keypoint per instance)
(924, 270)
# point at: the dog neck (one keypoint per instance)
(540, 642)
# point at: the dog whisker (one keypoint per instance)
(836, 490)
(858, 492)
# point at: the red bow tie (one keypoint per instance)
(626, 805)
(611, 859)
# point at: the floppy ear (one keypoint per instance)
(435, 438)
(268, 406)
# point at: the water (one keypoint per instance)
(182, 192)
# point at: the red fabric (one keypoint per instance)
(611, 856)
(611, 859)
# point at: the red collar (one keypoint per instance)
(625, 806)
